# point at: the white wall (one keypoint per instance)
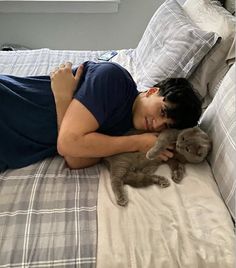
(80, 31)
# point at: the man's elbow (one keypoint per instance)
(66, 144)
(60, 148)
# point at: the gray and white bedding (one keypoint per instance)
(48, 213)
(48, 216)
(51, 216)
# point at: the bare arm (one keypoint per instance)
(63, 84)
(78, 136)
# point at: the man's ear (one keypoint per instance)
(151, 91)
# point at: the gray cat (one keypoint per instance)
(137, 169)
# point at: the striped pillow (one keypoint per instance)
(171, 46)
(219, 121)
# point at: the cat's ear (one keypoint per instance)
(151, 91)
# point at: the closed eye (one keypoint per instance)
(163, 111)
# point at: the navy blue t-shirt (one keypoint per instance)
(108, 91)
(28, 121)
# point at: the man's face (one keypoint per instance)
(149, 112)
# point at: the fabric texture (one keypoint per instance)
(47, 212)
(48, 216)
(230, 5)
(184, 225)
(116, 91)
(28, 120)
(211, 16)
(171, 46)
(219, 121)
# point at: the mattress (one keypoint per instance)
(51, 216)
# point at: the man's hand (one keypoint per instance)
(166, 154)
(147, 140)
(63, 84)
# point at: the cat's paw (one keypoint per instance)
(151, 154)
(161, 181)
(177, 176)
(122, 201)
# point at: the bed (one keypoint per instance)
(51, 216)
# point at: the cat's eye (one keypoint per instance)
(187, 149)
(182, 138)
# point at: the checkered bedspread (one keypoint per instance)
(48, 213)
(48, 216)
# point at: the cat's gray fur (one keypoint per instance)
(137, 169)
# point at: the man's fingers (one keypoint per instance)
(79, 72)
(62, 65)
(51, 74)
(165, 155)
(55, 69)
(68, 64)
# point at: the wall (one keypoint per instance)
(80, 31)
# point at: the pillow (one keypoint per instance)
(211, 16)
(230, 5)
(219, 121)
(171, 46)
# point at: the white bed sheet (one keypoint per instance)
(185, 225)
(41, 61)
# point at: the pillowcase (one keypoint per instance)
(211, 16)
(230, 5)
(219, 121)
(171, 46)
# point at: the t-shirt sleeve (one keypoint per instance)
(102, 90)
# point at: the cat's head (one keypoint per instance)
(194, 144)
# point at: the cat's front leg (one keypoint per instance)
(177, 170)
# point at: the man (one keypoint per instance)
(107, 104)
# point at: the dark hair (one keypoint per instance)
(185, 103)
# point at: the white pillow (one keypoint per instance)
(219, 121)
(211, 16)
(171, 46)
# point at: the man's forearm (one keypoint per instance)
(62, 103)
(95, 145)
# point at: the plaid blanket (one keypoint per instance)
(48, 216)
(48, 213)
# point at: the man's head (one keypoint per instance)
(171, 103)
